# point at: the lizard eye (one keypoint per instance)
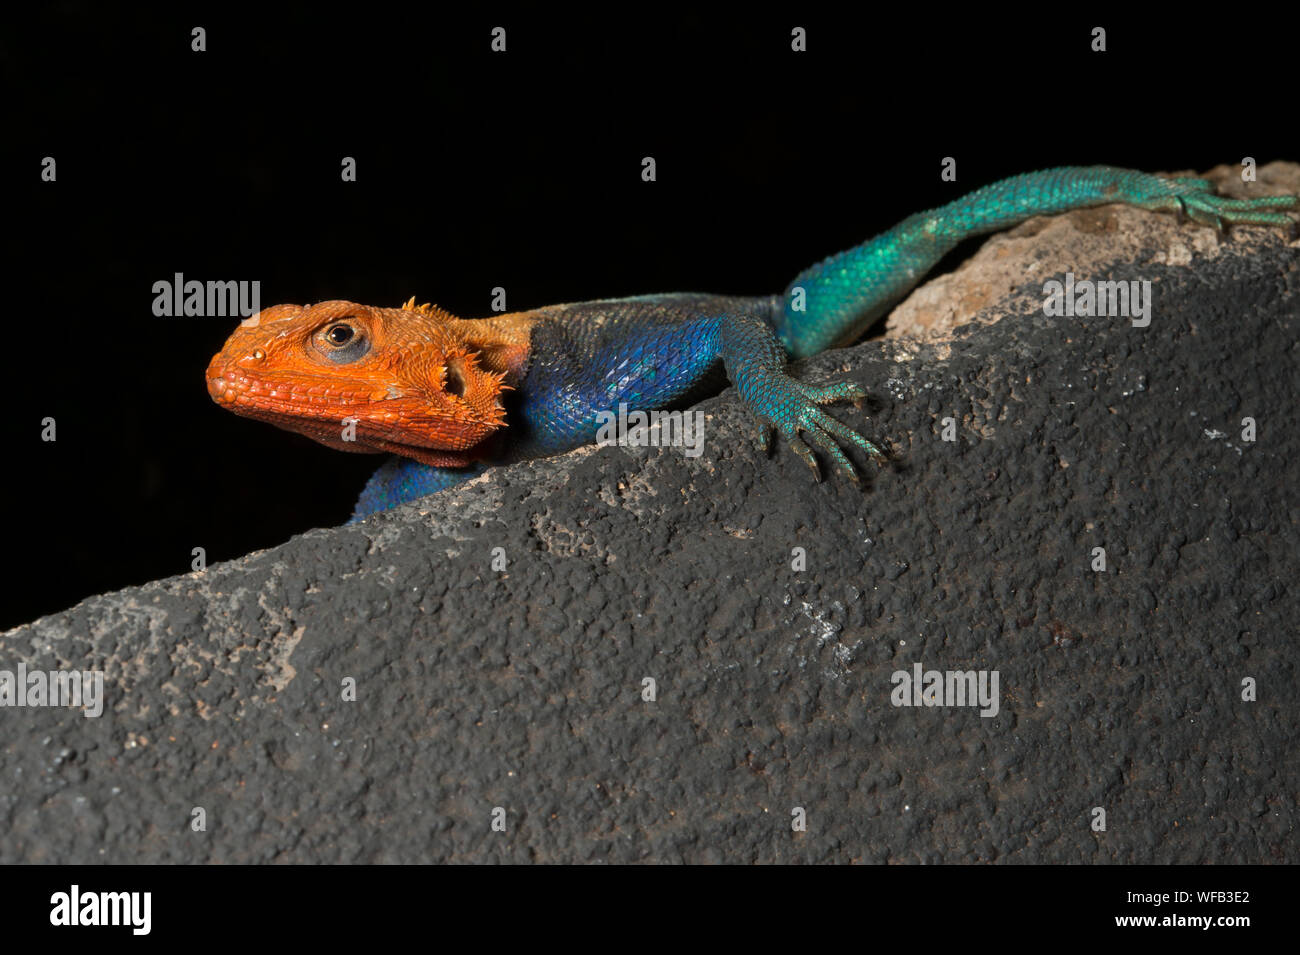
(341, 342)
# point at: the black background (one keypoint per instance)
(932, 903)
(475, 170)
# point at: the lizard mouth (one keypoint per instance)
(273, 400)
(326, 398)
(233, 388)
(361, 417)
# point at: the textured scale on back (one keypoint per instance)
(449, 396)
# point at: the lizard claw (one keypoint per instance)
(795, 412)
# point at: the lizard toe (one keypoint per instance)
(839, 391)
(1221, 212)
(843, 432)
(801, 449)
(832, 450)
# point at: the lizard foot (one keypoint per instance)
(794, 409)
(1195, 199)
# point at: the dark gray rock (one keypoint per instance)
(523, 689)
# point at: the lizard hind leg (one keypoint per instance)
(1195, 199)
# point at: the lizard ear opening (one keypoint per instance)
(455, 383)
(471, 394)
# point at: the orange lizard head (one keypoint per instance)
(410, 378)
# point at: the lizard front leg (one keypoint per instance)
(400, 480)
(755, 363)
